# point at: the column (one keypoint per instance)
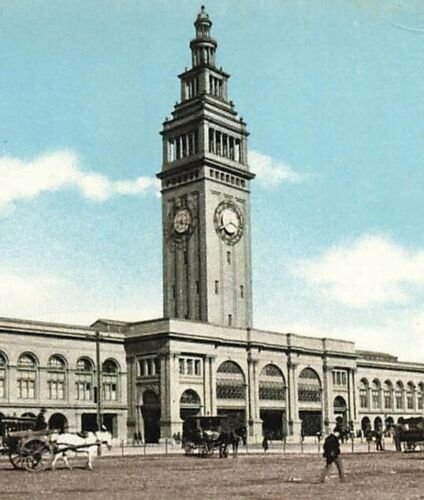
(209, 385)
(293, 431)
(328, 414)
(253, 414)
(352, 395)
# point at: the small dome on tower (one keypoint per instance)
(203, 15)
(202, 23)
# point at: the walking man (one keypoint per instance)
(332, 454)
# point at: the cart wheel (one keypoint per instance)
(16, 459)
(36, 455)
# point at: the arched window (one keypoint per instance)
(363, 393)
(110, 380)
(190, 398)
(399, 396)
(3, 369)
(84, 379)
(56, 377)
(272, 386)
(375, 393)
(410, 389)
(309, 386)
(26, 376)
(388, 391)
(230, 381)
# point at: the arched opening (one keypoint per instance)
(28, 414)
(272, 398)
(378, 424)
(231, 392)
(399, 396)
(84, 375)
(3, 370)
(365, 425)
(309, 397)
(389, 422)
(27, 376)
(58, 422)
(110, 372)
(410, 391)
(388, 395)
(151, 416)
(340, 413)
(56, 377)
(189, 404)
(363, 393)
(375, 394)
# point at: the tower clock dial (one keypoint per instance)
(228, 221)
(182, 220)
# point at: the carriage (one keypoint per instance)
(411, 433)
(35, 451)
(203, 435)
(27, 449)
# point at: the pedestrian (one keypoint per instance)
(265, 445)
(379, 440)
(332, 454)
(396, 436)
(40, 423)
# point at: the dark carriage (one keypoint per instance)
(411, 433)
(203, 435)
(27, 449)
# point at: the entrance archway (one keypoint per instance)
(378, 424)
(340, 413)
(309, 398)
(58, 422)
(189, 404)
(28, 414)
(365, 425)
(272, 400)
(151, 416)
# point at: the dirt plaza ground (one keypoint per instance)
(387, 475)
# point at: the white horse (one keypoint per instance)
(68, 443)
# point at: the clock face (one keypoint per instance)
(228, 221)
(182, 220)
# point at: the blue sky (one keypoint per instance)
(332, 94)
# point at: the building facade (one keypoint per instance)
(204, 357)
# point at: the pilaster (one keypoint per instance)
(328, 397)
(294, 423)
(170, 422)
(254, 420)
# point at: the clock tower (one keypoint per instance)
(205, 196)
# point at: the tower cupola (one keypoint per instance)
(203, 47)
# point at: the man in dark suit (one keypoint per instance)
(332, 454)
(40, 423)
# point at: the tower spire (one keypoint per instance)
(203, 47)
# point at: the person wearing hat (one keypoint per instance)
(40, 423)
(332, 454)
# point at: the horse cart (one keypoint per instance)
(203, 435)
(27, 449)
(35, 451)
(411, 433)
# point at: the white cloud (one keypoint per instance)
(371, 271)
(270, 172)
(47, 297)
(27, 179)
